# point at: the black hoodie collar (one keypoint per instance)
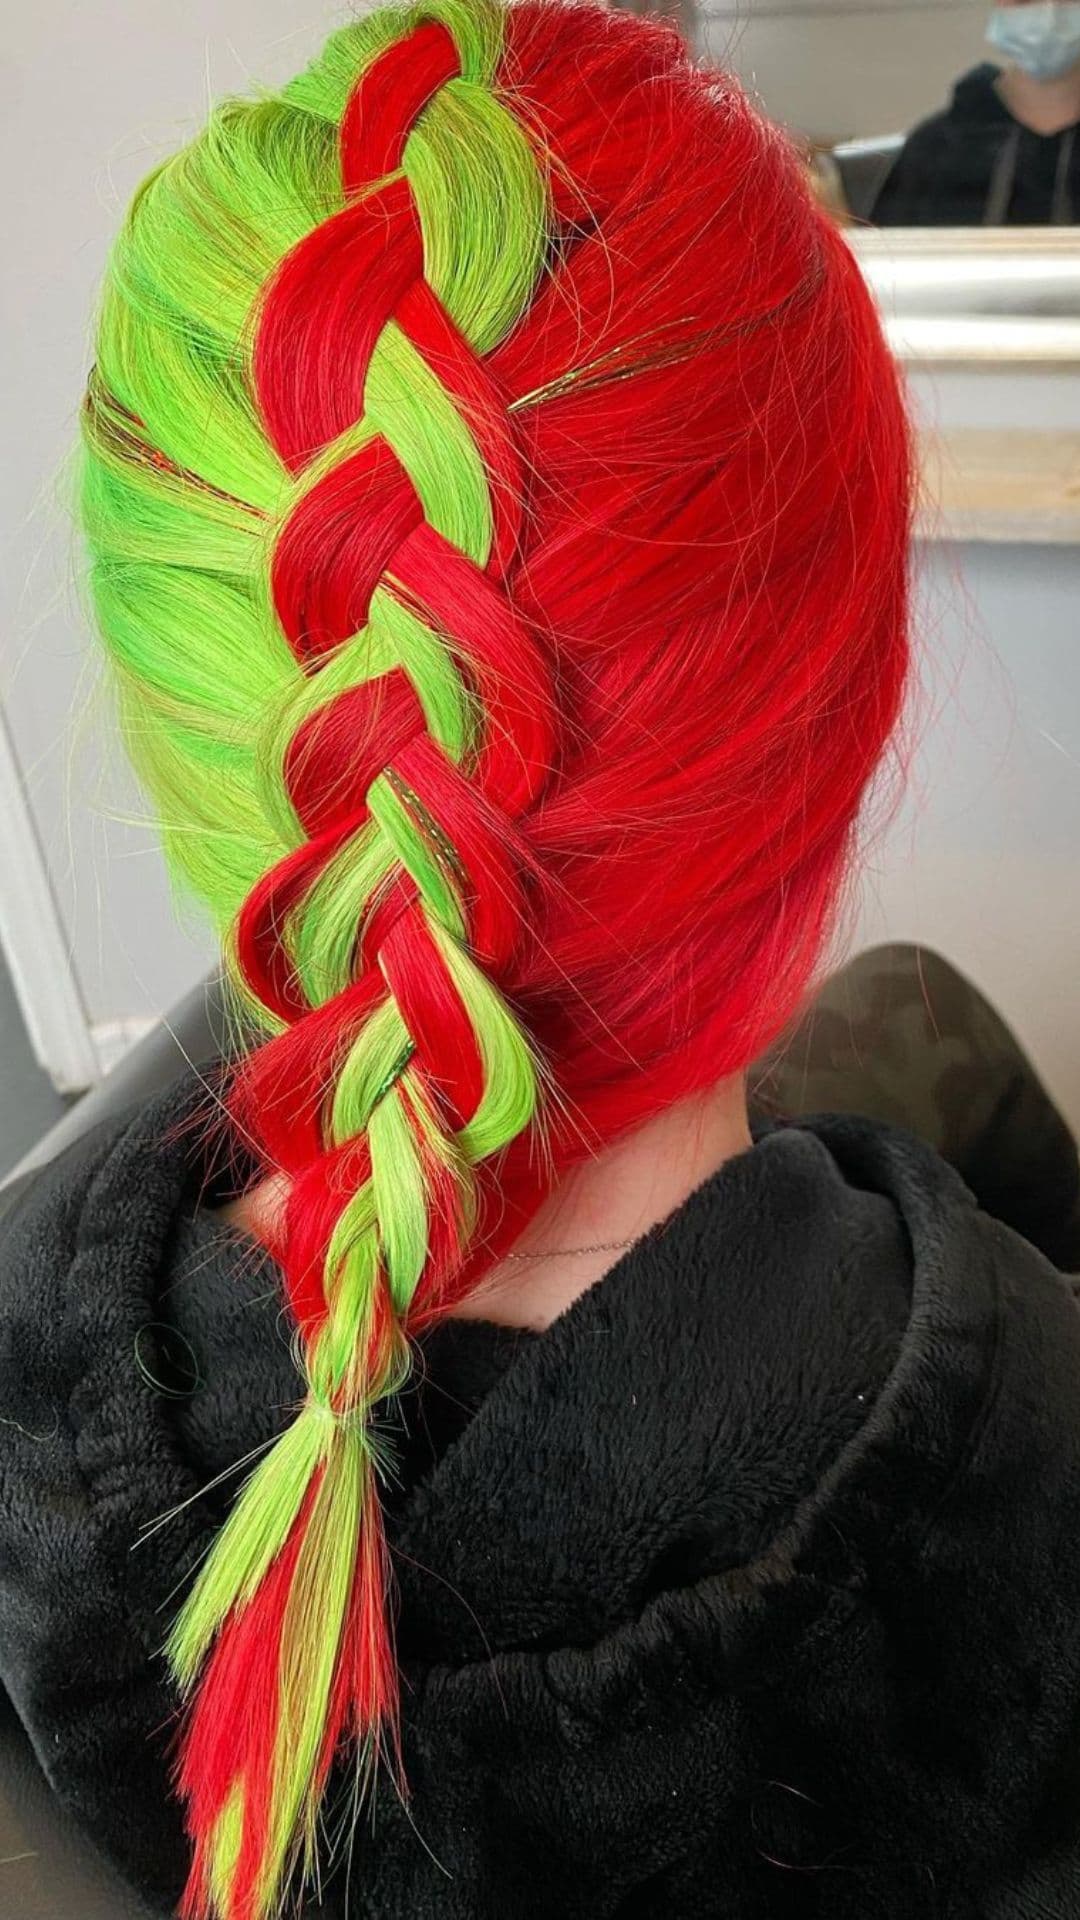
(860, 1595)
(802, 1380)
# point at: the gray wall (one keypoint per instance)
(846, 68)
(980, 859)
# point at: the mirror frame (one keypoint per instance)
(972, 296)
(987, 326)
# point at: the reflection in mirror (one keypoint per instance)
(1004, 151)
(914, 113)
(943, 134)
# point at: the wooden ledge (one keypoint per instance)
(998, 484)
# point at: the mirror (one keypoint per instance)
(914, 113)
(945, 136)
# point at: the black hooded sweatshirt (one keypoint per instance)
(974, 165)
(750, 1589)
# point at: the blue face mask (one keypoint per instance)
(1044, 40)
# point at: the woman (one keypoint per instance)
(498, 498)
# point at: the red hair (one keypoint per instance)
(709, 555)
(683, 651)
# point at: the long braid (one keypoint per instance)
(404, 759)
(499, 532)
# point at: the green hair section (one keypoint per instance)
(182, 494)
(263, 1518)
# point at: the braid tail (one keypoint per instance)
(303, 1663)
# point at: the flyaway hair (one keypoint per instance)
(496, 489)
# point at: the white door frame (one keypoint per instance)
(35, 943)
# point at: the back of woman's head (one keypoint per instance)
(497, 492)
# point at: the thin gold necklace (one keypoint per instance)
(576, 1253)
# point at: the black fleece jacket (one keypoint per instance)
(751, 1588)
(973, 165)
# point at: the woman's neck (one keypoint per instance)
(601, 1208)
(1045, 106)
(607, 1203)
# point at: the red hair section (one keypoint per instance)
(697, 645)
(717, 560)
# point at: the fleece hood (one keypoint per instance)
(750, 1588)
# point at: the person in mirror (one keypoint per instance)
(498, 494)
(1005, 152)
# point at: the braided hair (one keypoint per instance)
(496, 489)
